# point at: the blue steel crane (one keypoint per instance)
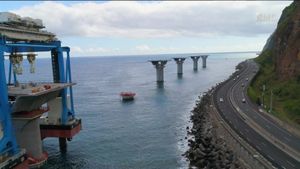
(15, 41)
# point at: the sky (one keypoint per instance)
(105, 28)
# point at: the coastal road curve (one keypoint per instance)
(232, 92)
(251, 110)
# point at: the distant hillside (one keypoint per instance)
(280, 68)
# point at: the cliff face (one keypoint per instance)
(280, 68)
(284, 43)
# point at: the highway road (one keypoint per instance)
(251, 110)
(239, 114)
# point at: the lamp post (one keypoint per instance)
(271, 101)
(263, 95)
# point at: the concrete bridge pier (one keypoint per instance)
(195, 60)
(28, 135)
(159, 66)
(179, 62)
(204, 57)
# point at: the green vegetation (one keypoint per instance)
(285, 17)
(286, 94)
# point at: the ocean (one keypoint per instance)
(147, 133)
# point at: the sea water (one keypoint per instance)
(147, 133)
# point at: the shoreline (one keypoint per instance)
(206, 148)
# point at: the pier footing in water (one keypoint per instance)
(195, 62)
(61, 131)
(159, 66)
(179, 62)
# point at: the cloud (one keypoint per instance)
(157, 19)
(91, 51)
(142, 48)
(136, 50)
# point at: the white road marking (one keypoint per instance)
(271, 123)
(286, 139)
(258, 148)
(291, 164)
(271, 158)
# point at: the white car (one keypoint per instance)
(244, 100)
(221, 99)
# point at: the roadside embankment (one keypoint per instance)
(207, 150)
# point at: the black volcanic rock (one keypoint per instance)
(207, 150)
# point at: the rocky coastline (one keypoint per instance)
(207, 149)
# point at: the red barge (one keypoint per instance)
(127, 95)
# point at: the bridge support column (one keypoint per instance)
(195, 61)
(204, 57)
(159, 66)
(179, 62)
(28, 136)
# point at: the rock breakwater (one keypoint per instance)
(207, 149)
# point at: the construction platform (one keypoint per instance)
(31, 112)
